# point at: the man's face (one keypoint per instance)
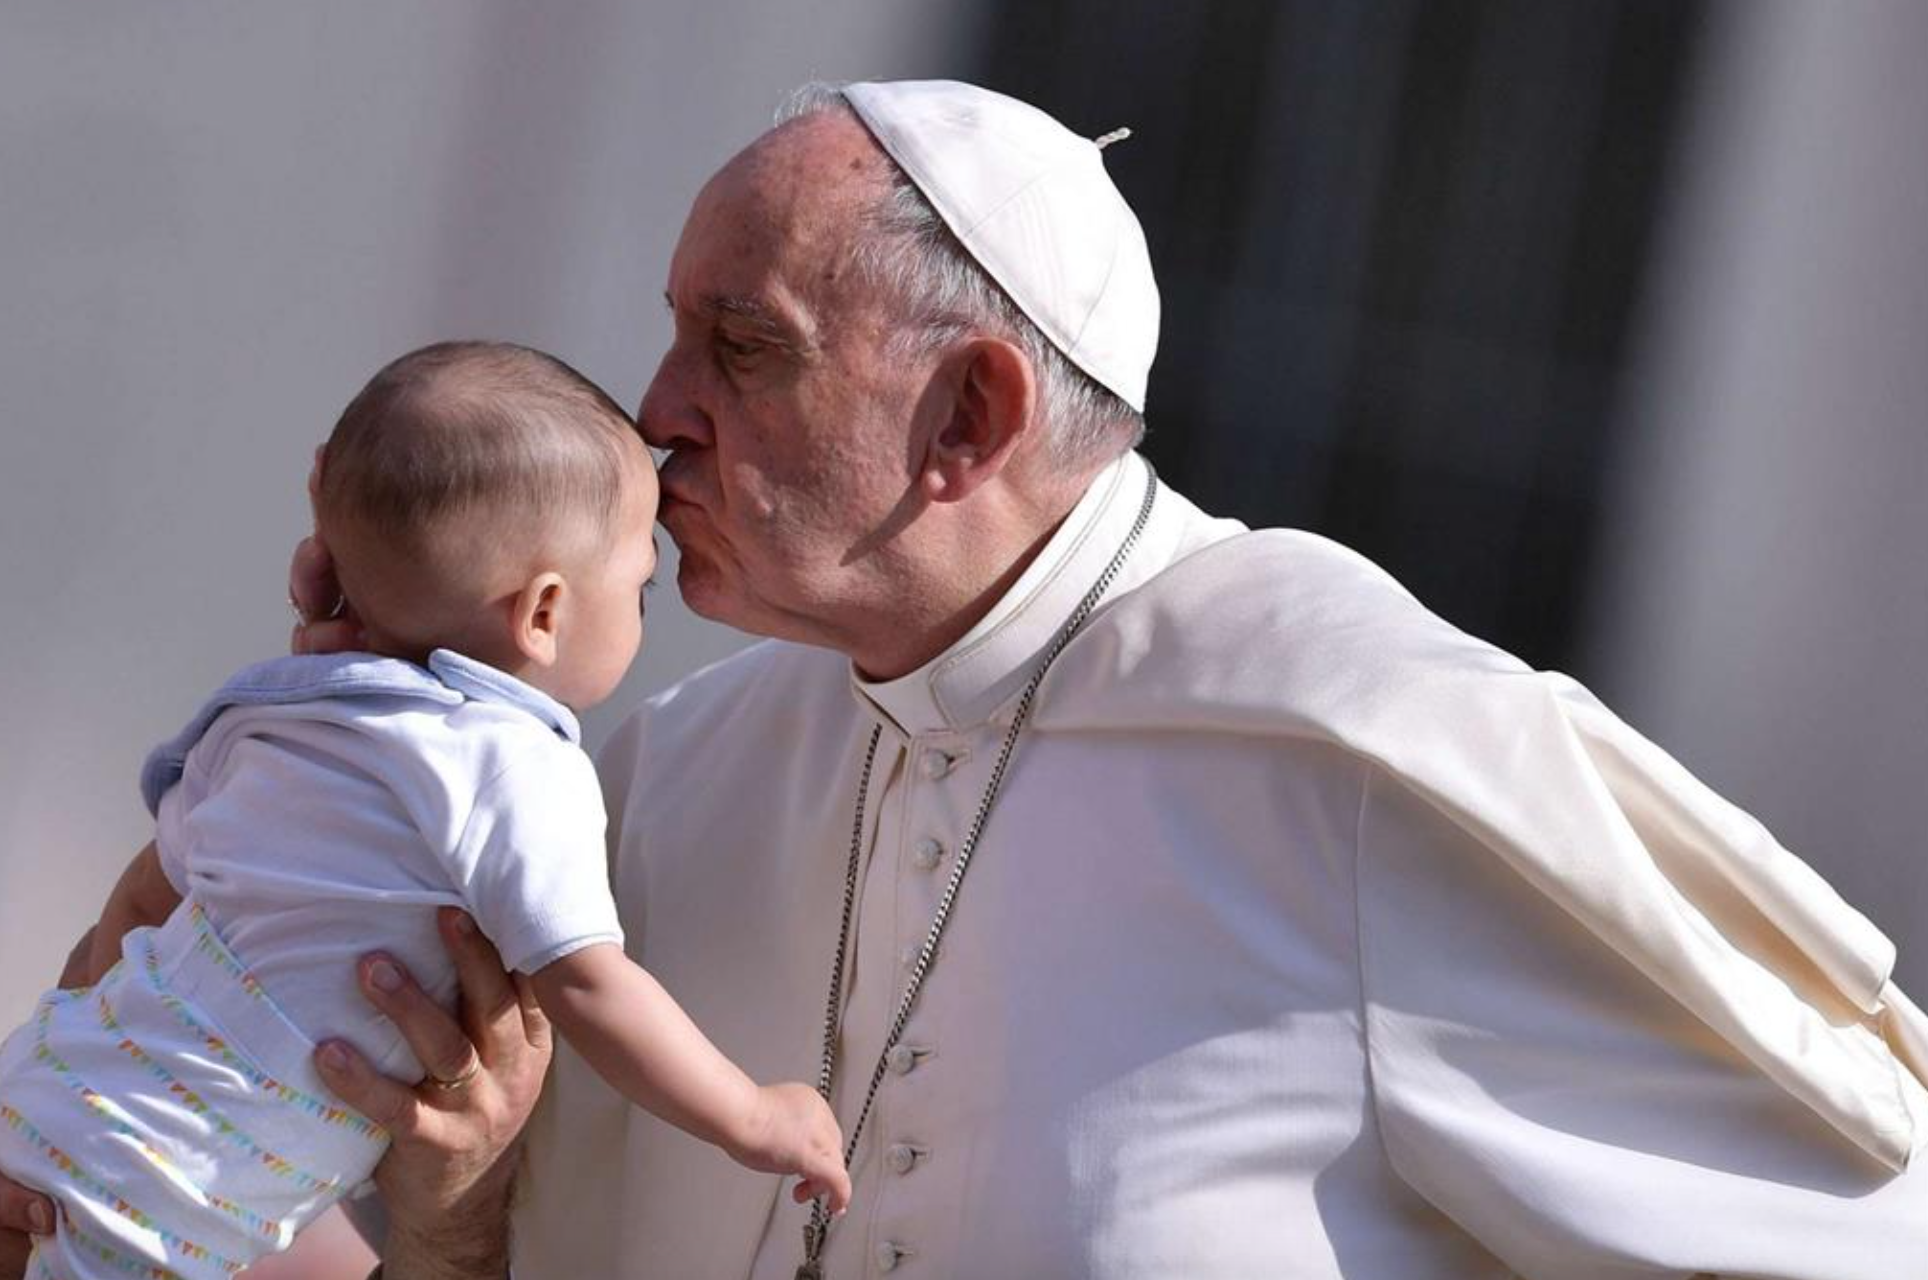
(788, 427)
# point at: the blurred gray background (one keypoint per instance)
(1604, 325)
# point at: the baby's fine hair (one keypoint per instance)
(475, 428)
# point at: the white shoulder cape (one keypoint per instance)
(1286, 633)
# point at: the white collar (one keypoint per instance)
(964, 686)
(484, 683)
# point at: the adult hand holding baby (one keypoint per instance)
(447, 1174)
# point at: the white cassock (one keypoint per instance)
(1310, 938)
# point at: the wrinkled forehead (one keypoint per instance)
(783, 215)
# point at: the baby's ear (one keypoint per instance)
(537, 621)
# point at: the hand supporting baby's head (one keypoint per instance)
(489, 499)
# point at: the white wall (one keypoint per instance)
(216, 220)
(1766, 614)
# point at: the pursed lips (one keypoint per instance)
(675, 511)
(679, 515)
(669, 477)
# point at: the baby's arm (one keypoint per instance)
(142, 897)
(639, 1040)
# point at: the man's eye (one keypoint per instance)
(737, 350)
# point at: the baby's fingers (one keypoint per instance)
(840, 1194)
(832, 1185)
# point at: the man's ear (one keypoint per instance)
(993, 397)
(535, 621)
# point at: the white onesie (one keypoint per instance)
(317, 809)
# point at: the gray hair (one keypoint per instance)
(912, 254)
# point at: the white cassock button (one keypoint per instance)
(901, 1158)
(903, 1059)
(889, 1255)
(927, 854)
(938, 763)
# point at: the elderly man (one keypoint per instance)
(1151, 897)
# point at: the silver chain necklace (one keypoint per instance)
(817, 1229)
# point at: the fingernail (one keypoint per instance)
(385, 976)
(39, 1220)
(334, 1057)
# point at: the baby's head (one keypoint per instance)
(489, 499)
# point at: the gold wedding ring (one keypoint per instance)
(460, 1082)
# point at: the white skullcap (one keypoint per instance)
(1031, 201)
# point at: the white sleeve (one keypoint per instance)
(1569, 1113)
(531, 863)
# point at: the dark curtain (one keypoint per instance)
(1400, 243)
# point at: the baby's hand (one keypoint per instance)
(792, 1131)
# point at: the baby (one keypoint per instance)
(490, 513)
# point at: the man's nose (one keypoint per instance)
(669, 416)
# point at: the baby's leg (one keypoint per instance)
(27, 1164)
(170, 1145)
(48, 1118)
(68, 1256)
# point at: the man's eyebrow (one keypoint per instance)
(754, 312)
(759, 317)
